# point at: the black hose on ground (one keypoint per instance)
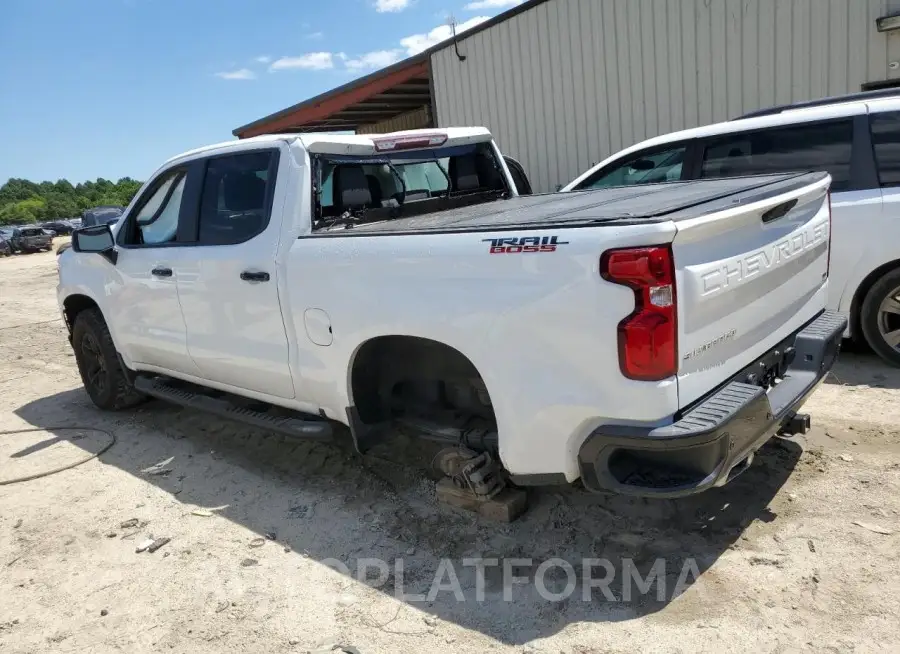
(69, 466)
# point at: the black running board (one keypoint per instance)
(159, 388)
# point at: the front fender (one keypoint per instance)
(77, 279)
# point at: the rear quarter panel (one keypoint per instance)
(539, 327)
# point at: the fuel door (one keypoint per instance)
(318, 326)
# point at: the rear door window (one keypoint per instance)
(886, 143)
(648, 167)
(822, 146)
(237, 197)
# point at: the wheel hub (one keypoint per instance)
(889, 319)
(94, 363)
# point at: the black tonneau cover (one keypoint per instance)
(621, 205)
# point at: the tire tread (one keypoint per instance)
(868, 316)
(123, 395)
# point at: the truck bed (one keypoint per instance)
(622, 205)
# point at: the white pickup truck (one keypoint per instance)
(647, 341)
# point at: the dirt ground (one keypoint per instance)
(782, 565)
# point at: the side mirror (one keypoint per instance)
(97, 239)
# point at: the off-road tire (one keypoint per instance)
(869, 316)
(101, 370)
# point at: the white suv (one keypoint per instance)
(856, 138)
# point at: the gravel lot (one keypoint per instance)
(782, 564)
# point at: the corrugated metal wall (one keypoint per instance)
(569, 82)
(414, 119)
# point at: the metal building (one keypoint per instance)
(562, 84)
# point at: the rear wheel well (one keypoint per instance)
(391, 375)
(75, 304)
(861, 291)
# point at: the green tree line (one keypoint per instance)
(23, 201)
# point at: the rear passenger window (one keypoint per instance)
(795, 148)
(236, 200)
(642, 168)
(886, 141)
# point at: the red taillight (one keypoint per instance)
(648, 338)
(828, 264)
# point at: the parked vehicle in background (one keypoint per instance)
(61, 227)
(402, 279)
(5, 247)
(31, 238)
(105, 215)
(11, 234)
(856, 138)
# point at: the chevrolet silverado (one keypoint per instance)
(645, 340)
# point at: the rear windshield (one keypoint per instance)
(32, 232)
(351, 190)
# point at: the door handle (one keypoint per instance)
(249, 276)
(161, 272)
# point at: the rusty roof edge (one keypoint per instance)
(349, 86)
(400, 65)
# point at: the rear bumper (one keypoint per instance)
(714, 440)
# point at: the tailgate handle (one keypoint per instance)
(780, 211)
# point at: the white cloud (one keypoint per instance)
(491, 4)
(309, 61)
(419, 42)
(242, 73)
(315, 35)
(263, 59)
(386, 6)
(373, 60)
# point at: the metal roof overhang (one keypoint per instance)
(382, 95)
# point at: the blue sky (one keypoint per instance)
(112, 88)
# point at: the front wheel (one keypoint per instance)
(101, 370)
(880, 317)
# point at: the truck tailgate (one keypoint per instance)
(749, 272)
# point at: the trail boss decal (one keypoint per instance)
(524, 244)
